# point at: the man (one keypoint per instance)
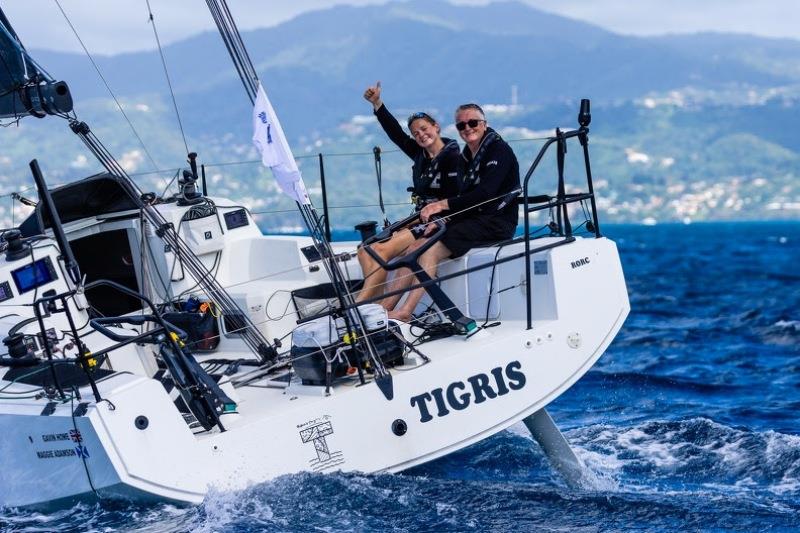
(481, 214)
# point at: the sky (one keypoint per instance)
(116, 26)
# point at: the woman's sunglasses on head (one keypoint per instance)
(420, 114)
(472, 123)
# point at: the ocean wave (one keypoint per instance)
(697, 451)
(101, 517)
(640, 380)
(783, 332)
(668, 475)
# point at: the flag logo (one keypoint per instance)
(263, 117)
(82, 452)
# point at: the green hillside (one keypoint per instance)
(685, 128)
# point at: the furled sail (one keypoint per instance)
(25, 88)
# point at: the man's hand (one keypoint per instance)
(431, 209)
(373, 95)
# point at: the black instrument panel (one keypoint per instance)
(236, 219)
(33, 275)
(5, 291)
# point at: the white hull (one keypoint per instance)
(470, 390)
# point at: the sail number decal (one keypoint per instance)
(459, 395)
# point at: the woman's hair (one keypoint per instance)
(422, 115)
(476, 107)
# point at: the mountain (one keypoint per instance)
(428, 54)
(672, 115)
(774, 56)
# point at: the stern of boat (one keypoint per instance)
(134, 445)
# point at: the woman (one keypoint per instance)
(487, 214)
(435, 173)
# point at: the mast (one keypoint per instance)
(25, 87)
(353, 320)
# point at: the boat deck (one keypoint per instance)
(269, 396)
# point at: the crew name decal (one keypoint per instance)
(477, 389)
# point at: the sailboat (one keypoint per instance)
(141, 362)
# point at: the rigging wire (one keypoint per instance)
(108, 87)
(166, 75)
(166, 231)
(168, 185)
(247, 73)
(235, 46)
(314, 156)
(295, 269)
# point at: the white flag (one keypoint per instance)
(275, 153)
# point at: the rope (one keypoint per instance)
(379, 174)
(350, 252)
(168, 185)
(166, 75)
(296, 313)
(108, 88)
(245, 379)
(81, 447)
(281, 362)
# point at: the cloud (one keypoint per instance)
(118, 26)
(111, 27)
(769, 18)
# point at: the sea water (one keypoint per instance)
(690, 421)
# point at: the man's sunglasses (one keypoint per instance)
(472, 123)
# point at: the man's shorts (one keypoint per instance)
(464, 234)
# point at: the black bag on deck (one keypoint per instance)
(202, 328)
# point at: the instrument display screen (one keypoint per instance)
(5, 291)
(236, 219)
(38, 273)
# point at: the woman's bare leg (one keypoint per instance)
(374, 275)
(428, 261)
(402, 278)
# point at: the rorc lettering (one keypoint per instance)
(459, 395)
(580, 262)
